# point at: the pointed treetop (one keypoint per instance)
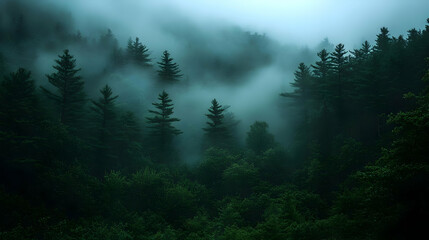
(138, 53)
(162, 120)
(168, 70)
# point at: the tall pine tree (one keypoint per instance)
(303, 90)
(169, 71)
(162, 131)
(337, 83)
(69, 95)
(217, 132)
(321, 71)
(138, 53)
(104, 108)
(19, 108)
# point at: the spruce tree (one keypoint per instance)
(168, 70)
(162, 131)
(258, 138)
(19, 122)
(337, 83)
(302, 96)
(302, 85)
(104, 136)
(217, 132)
(383, 40)
(69, 95)
(322, 67)
(321, 71)
(128, 145)
(109, 44)
(19, 108)
(138, 53)
(365, 49)
(360, 78)
(104, 106)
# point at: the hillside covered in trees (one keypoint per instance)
(86, 155)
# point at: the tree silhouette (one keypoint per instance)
(138, 53)
(216, 132)
(168, 70)
(258, 138)
(104, 106)
(162, 131)
(69, 96)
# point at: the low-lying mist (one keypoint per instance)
(243, 70)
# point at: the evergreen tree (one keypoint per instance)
(69, 96)
(127, 144)
(383, 40)
(365, 49)
(362, 53)
(129, 127)
(104, 106)
(303, 90)
(258, 138)
(302, 84)
(162, 131)
(168, 70)
(338, 82)
(19, 108)
(138, 53)
(109, 44)
(321, 70)
(20, 120)
(104, 109)
(302, 101)
(217, 132)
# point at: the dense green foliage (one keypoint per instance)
(357, 167)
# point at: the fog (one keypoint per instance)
(288, 21)
(243, 53)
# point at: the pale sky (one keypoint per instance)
(304, 22)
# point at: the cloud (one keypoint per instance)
(288, 21)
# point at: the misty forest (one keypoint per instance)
(179, 129)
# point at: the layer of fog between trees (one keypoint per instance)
(246, 71)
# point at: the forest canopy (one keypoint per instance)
(111, 141)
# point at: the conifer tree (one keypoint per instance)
(361, 79)
(365, 49)
(19, 102)
(104, 106)
(109, 44)
(19, 120)
(104, 142)
(216, 132)
(69, 95)
(302, 95)
(168, 70)
(337, 83)
(129, 127)
(258, 138)
(302, 85)
(321, 70)
(128, 145)
(162, 131)
(383, 40)
(138, 53)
